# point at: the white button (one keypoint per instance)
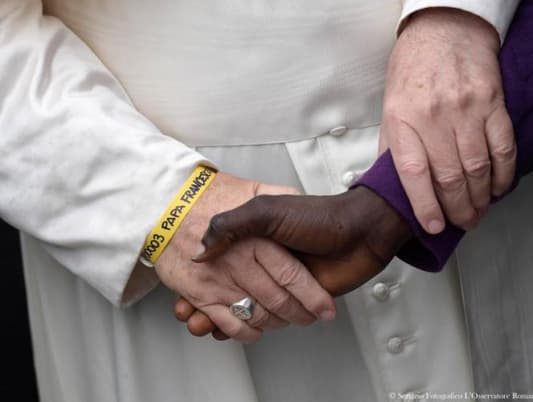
(395, 345)
(349, 178)
(338, 131)
(381, 291)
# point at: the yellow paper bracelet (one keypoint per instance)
(176, 212)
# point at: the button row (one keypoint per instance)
(349, 177)
(381, 292)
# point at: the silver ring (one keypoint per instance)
(243, 309)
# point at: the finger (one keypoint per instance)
(474, 154)
(339, 276)
(250, 219)
(292, 275)
(292, 221)
(251, 280)
(449, 179)
(277, 307)
(183, 309)
(502, 150)
(412, 164)
(230, 325)
(254, 218)
(199, 324)
(219, 335)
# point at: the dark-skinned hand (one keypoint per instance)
(344, 240)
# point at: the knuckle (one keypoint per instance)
(259, 209)
(218, 224)
(261, 202)
(504, 153)
(450, 182)
(426, 208)
(460, 97)
(477, 168)
(233, 330)
(290, 274)
(279, 304)
(413, 168)
(259, 319)
(487, 91)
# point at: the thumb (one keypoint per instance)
(252, 219)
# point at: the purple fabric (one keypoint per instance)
(430, 252)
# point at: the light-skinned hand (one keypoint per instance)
(444, 117)
(284, 289)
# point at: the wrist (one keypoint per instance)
(386, 231)
(176, 212)
(451, 25)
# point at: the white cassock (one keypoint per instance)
(105, 111)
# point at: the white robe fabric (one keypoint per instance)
(105, 109)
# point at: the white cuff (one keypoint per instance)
(498, 13)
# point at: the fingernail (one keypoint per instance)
(199, 252)
(435, 226)
(327, 315)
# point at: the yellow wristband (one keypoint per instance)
(176, 212)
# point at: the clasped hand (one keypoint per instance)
(284, 289)
(445, 122)
(344, 240)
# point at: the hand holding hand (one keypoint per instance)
(444, 117)
(344, 240)
(283, 288)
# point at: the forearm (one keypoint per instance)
(80, 169)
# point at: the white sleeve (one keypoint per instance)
(80, 168)
(498, 13)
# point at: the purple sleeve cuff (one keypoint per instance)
(424, 251)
